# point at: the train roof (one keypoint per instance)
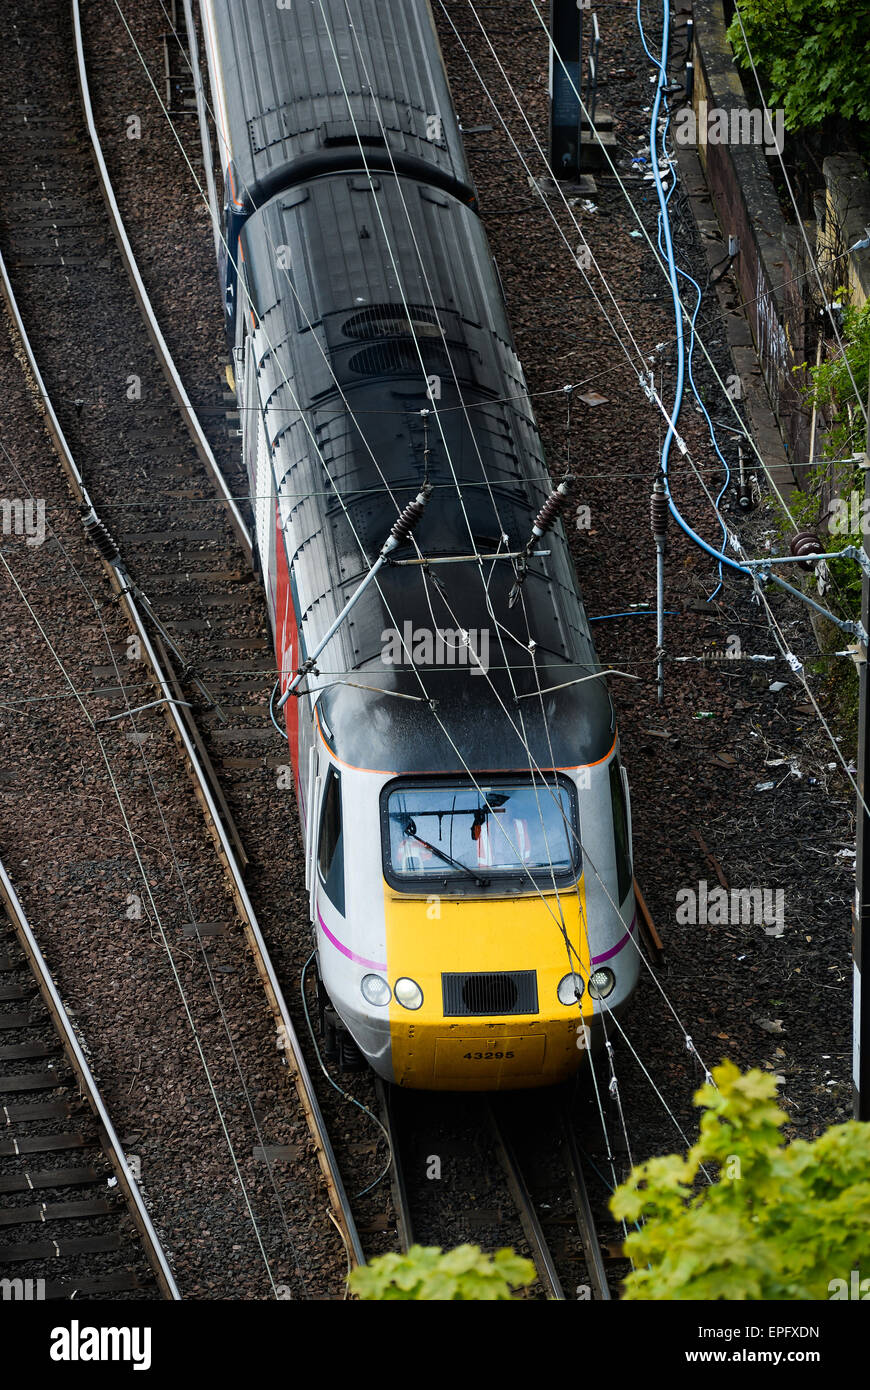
(330, 304)
(446, 719)
(291, 108)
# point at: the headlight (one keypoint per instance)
(408, 993)
(570, 989)
(375, 990)
(601, 983)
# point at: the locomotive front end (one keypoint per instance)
(503, 984)
(501, 950)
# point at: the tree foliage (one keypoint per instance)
(782, 1221)
(838, 475)
(814, 56)
(833, 388)
(427, 1273)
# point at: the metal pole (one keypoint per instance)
(333, 629)
(690, 64)
(592, 78)
(659, 522)
(203, 125)
(579, 87)
(861, 903)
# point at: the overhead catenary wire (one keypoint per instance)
(481, 460)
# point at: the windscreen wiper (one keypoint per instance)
(411, 831)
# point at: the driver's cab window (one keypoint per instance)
(330, 853)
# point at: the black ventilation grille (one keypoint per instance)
(391, 320)
(383, 358)
(509, 992)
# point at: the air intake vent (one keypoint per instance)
(391, 321)
(509, 992)
(381, 359)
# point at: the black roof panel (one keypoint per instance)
(288, 99)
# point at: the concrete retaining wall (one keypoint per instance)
(844, 216)
(769, 268)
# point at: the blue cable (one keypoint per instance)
(668, 252)
(689, 361)
(635, 613)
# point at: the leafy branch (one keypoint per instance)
(783, 1221)
(427, 1273)
(814, 54)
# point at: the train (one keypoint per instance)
(464, 808)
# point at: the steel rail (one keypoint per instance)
(541, 1254)
(286, 1032)
(111, 1144)
(585, 1219)
(176, 385)
(404, 1220)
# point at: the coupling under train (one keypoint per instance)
(456, 760)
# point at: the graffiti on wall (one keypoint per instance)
(771, 339)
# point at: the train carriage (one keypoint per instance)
(466, 816)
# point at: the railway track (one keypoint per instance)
(498, 1171)
(73, 1223)
(617, 439)
(538, 1150)
(148, 488)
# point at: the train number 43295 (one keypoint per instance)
(486, 1056)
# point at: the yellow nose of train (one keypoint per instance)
(497, 1023)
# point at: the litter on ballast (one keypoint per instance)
(770, 1025)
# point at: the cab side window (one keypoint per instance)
(330, 852)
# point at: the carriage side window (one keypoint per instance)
(330, 853)
(620, 831)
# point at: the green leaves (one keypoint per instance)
(839, 480)
(743, 1216)
(426, 1273)
(813, 57)
(833, 387)
(778, 1221)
